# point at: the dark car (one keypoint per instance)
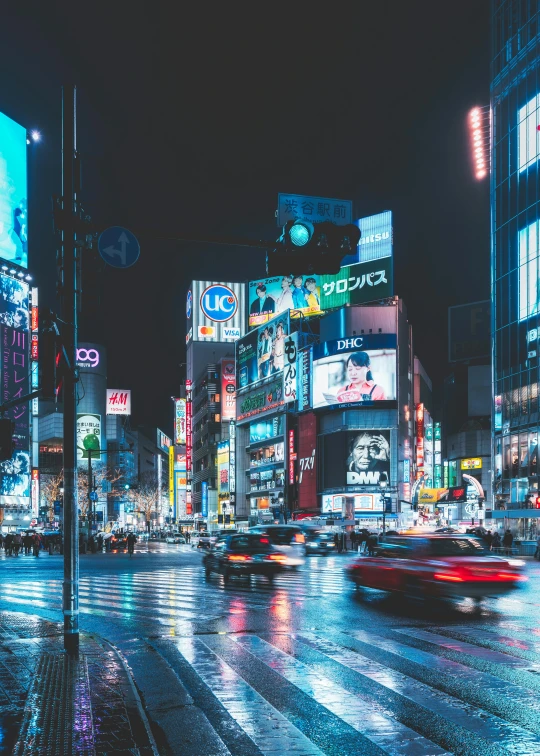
(243, 554)
(436, 566)
(118, 541)
(319, 542)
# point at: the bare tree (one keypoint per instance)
(51, 490)
(145, 497)
(100, 475)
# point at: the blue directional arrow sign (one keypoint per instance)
(119, 247)
(93, 496)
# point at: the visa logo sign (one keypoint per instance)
(231, 333)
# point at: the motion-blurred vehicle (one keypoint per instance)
(289, 539)
(436, 566)
(201, 540)
(448, 529)
(243, 555)
(118, 541)
(175, 538)
(319, 542)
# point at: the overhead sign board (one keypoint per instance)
(376, 238)
(314, 209)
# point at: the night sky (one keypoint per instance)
(191, 121)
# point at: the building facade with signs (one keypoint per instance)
(515, 213)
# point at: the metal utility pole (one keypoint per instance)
(70, 593)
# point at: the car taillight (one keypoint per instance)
(277, 557)
(447, 576)
(238, 558)
(509, 576)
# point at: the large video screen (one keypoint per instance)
(356, 370)
(268, 297)
(13, 193)
(261, 353)
(355, 458)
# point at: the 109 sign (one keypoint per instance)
(219, 303)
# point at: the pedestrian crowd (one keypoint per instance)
(28, 543)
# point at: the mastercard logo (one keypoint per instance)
(207, 331)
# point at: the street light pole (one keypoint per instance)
(70, 587)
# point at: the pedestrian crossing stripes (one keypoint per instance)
(407, 690)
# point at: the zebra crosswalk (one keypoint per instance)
(311, 693)
(327, 686)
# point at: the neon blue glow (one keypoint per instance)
(13, 193)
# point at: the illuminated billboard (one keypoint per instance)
(88, 436)
(355, 370)
(13, 193)
(268, 297)
(14, 309)
(163, 442)
(357, 284)
(261, 353)
(355, 458)
(118, 402)
(215, 311)
(375, 238)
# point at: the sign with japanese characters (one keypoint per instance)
(228, 389)
(118, 402)
(88, 436)
(357, 284)
(355, 370)
(180, 421)
(290, 379)
(267, 398)
(314, 209)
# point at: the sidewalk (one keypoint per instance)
(52, 704)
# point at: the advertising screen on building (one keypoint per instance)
(355, 458)
(375, 238)
(216, 311)
(88, 436)
(13, 193)
(268, 297)
(118, 402)
(223, 448)
(15, 472)
(14, 308)
(228, 389)
(261, 353)
(355, 370)
(163, 442)
(357, 284)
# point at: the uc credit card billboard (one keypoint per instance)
(13, 193)
(215, 311)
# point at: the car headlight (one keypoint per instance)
(312, 545)
(516, 562)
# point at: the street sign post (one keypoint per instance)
(314, 209)
(119, 247)
(93, 496)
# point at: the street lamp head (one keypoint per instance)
(383, 480)
(36, 136)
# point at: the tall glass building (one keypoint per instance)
(515, 215)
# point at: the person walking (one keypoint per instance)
(508, 540)
(496, 542)
(488, 539)
(131, 541)
(372, 542)
(537, 552)
(353, 539)
(17, 543)
(36, 543)
(8, 544)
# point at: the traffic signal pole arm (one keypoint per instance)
(21, 400)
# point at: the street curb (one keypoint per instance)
(136, 696)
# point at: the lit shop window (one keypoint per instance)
(528, 271)
(529, 134)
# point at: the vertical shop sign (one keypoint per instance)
(179, 422)
(232, 458)
(35, 492)
(188, 427)
(171, 476)
(292, 456)
(290, 382)
(419, 439)
(204, 498)
(228, 389)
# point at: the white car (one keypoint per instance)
(289, 539)
(175, 538)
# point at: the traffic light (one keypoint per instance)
(50, 354)
(306, 247)
(537, 502)
(126, 486)
(7, 429)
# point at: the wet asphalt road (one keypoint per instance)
(310, 665)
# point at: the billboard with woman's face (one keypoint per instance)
(356, 370)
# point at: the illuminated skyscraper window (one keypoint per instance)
(529, 292)
(529, 134)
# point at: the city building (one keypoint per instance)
(515, 235)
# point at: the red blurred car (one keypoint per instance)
(436, 566)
